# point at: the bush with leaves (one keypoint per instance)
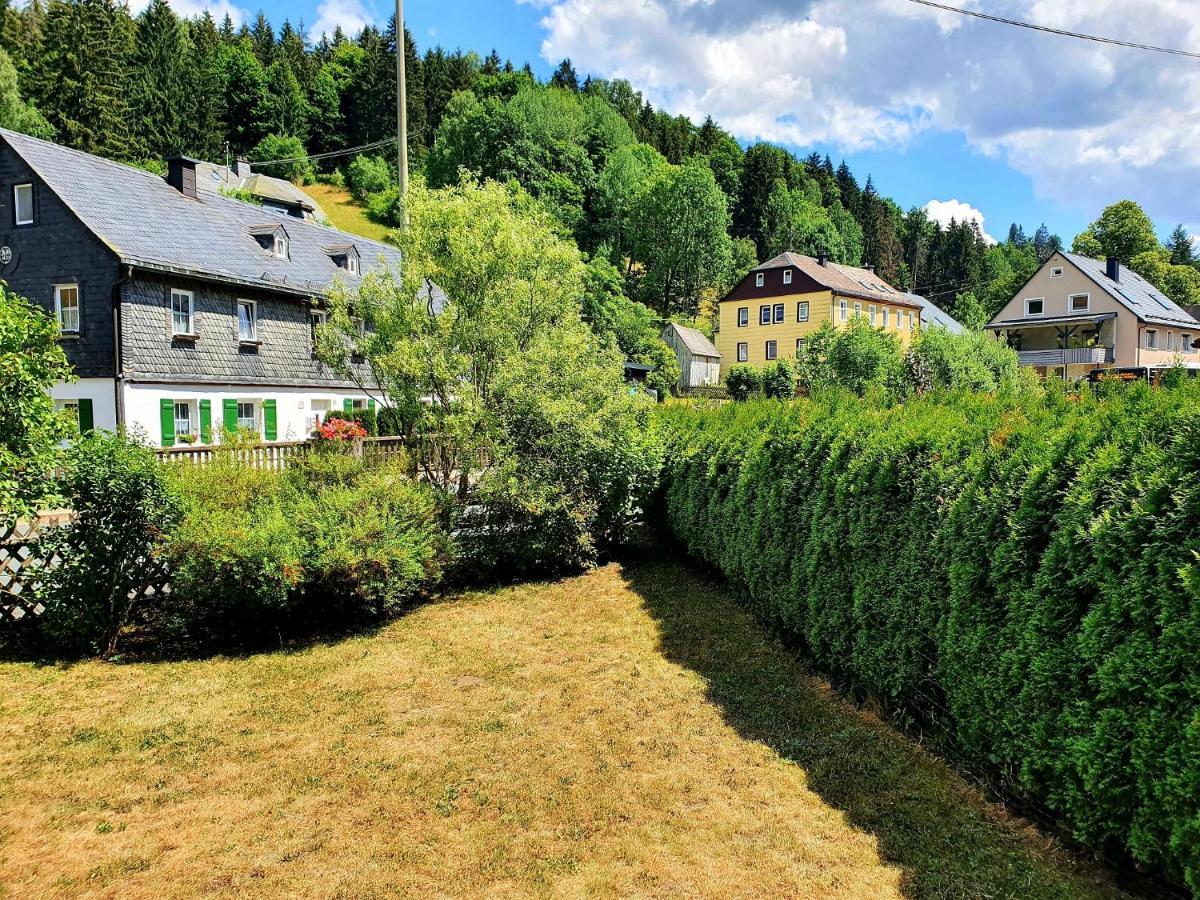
(1017, 571)
(743, 382)
(368, 175)
(287, 158)
(31, 362)
(971, 361)
(123, 514)
(779, 380)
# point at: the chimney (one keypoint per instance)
(241, 168)
(1112, 268)
(181, 175)
(822, 259)
(870, 268)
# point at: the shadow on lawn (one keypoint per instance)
(927, 820)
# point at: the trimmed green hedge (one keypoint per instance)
(1020, 572)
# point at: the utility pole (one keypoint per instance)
(401, 102)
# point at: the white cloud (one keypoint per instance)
(352, 15)
(1088, 123)
(942, 211)
(191, 8)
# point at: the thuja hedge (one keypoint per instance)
(1021, 571)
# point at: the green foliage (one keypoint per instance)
(858, 357)
(974, 361)
(368, 175)
(15, 113)
(1123, 230)
(290, 150)
(327, 543)
(743, 382)
(110, 552)
(796, 221)
(779, 380)
(1018, 573)
(31, 362)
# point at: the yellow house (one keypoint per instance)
(769, 313)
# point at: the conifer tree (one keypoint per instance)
(564, 76)
(159, 86)
(206, 127)
(83, 95)
(263, 36)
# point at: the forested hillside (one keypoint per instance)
(670, 211)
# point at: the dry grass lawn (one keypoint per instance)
(344, 214)
(631, 732)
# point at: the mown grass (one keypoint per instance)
(631, 732)
(344, 214)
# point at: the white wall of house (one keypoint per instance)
(102, 393)
(295, 408)
(702, 371)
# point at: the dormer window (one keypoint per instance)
(345, 256)
(273, 239)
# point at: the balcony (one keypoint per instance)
(1074, 356)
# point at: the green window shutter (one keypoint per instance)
(206, 421)
(371, 404)
(229, 409)
(348, 404)
(166, 408)
(86, 420)
(270, 420)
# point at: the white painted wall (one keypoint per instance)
(703, 372)
(294, 406)
(102, 393)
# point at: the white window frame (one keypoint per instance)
(1071, 303)
(253, 306)
(857, 309)
(1151, 338)
(1185, 342)
(1035, 315)
(280, 245)
(1056, 272)
(799, 345)
(352, 263)
(58, 308)
(1170, 341)
(254, 406)
(912, 324)
(843, 309)
(771, 350)
(758, 279)
(899, 320)
(743, 351)
(26, 187)
(190, 420)
(764, 320)
(743, 316)
(191, 313)
(802, 311)
(787, 276)
(871, 313)
(777, 314)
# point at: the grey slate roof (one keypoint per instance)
(1134, 292)
(696, 343)
(932, 314)
(149, 224)
(211, 175)
(851, 281)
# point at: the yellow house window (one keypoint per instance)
(857, 310)
(772, 350)
(899, 320)
(871, 313)
(778, 313)
(764, 315)
(843, 308)
(743, 352)
(743, 316)
(802, 311)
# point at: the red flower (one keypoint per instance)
(335, 429)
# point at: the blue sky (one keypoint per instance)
(980, 119)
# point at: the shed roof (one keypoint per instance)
(696, 343)
(149, 224)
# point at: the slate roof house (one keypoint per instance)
(182, 310)
(273, 193)
(1077, 314)
(699, 360)
(770, 313)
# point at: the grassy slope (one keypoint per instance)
(631, 731)
(344, 214)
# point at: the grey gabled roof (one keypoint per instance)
(1134, 292)
(149, 224)
(932, 314)
(851, 281)
(696, 343)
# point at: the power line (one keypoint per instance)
(328, 155)
(1059, 31)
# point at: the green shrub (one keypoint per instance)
(293, 164)
(972, 361)
(743, 382)
(112, 550)
(1018, 571)
(384, 207)
(858, 357)
(779, 380)
(368, 175)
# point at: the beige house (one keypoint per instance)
(1077, 314)
(699, 360)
